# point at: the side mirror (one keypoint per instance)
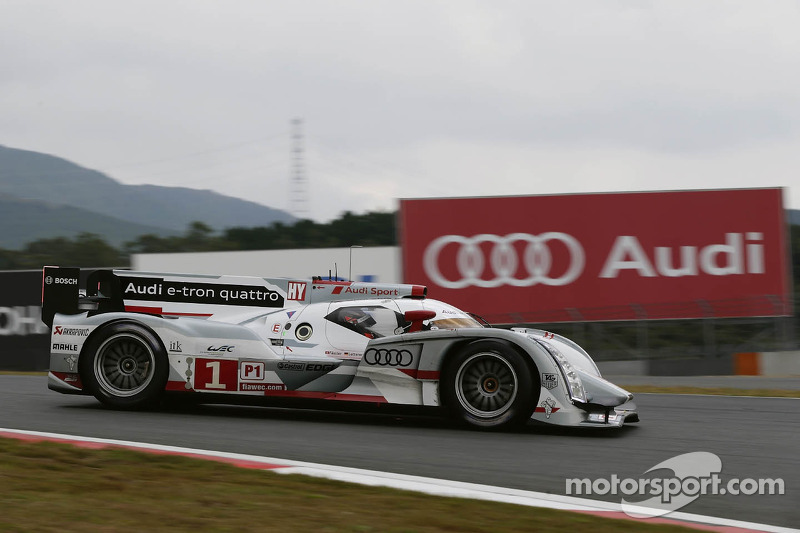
(416, 317)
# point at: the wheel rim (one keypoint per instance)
(486, 385)
(124, 365)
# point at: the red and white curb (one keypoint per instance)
(437, 487)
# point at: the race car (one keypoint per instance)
(129, 338)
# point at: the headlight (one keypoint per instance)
(574, 384)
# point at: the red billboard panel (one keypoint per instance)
(615, 256)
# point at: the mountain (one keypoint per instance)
(24, 221)
(35, 176)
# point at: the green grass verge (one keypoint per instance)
(717, 391)
(57, 487)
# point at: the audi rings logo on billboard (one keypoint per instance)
(504, 258)
(388, 357)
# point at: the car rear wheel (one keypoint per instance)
(125, 366)
(489, 385)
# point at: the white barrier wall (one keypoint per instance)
(379, 263)
(780, 363)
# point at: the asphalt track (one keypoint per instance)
(754, 437)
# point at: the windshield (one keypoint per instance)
(453, 323)
(447, 316)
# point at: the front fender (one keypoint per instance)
(418, 382)
(603, 403)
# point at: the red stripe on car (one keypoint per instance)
(326, 396)
(176, 386)
(420, 374)
(159, 311)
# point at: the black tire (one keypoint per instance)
(125, 366)
(489, 385)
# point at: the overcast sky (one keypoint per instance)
(408, 98)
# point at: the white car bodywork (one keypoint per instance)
(267, 337)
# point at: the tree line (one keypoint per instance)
(91, 250)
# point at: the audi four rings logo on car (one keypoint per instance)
(389, 357)
(470, 260)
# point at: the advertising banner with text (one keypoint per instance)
(613, 256)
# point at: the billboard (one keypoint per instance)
(612, 256)
(23, 337)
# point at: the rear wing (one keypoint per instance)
(196, 295)
(60, 292)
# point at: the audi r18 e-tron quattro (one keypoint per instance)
(130, 337)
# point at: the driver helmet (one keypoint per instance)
(357, 317)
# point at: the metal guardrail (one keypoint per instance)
(690, 338)
(767, 305)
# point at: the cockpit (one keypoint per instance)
(376, 321)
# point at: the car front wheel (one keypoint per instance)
(489, 385)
